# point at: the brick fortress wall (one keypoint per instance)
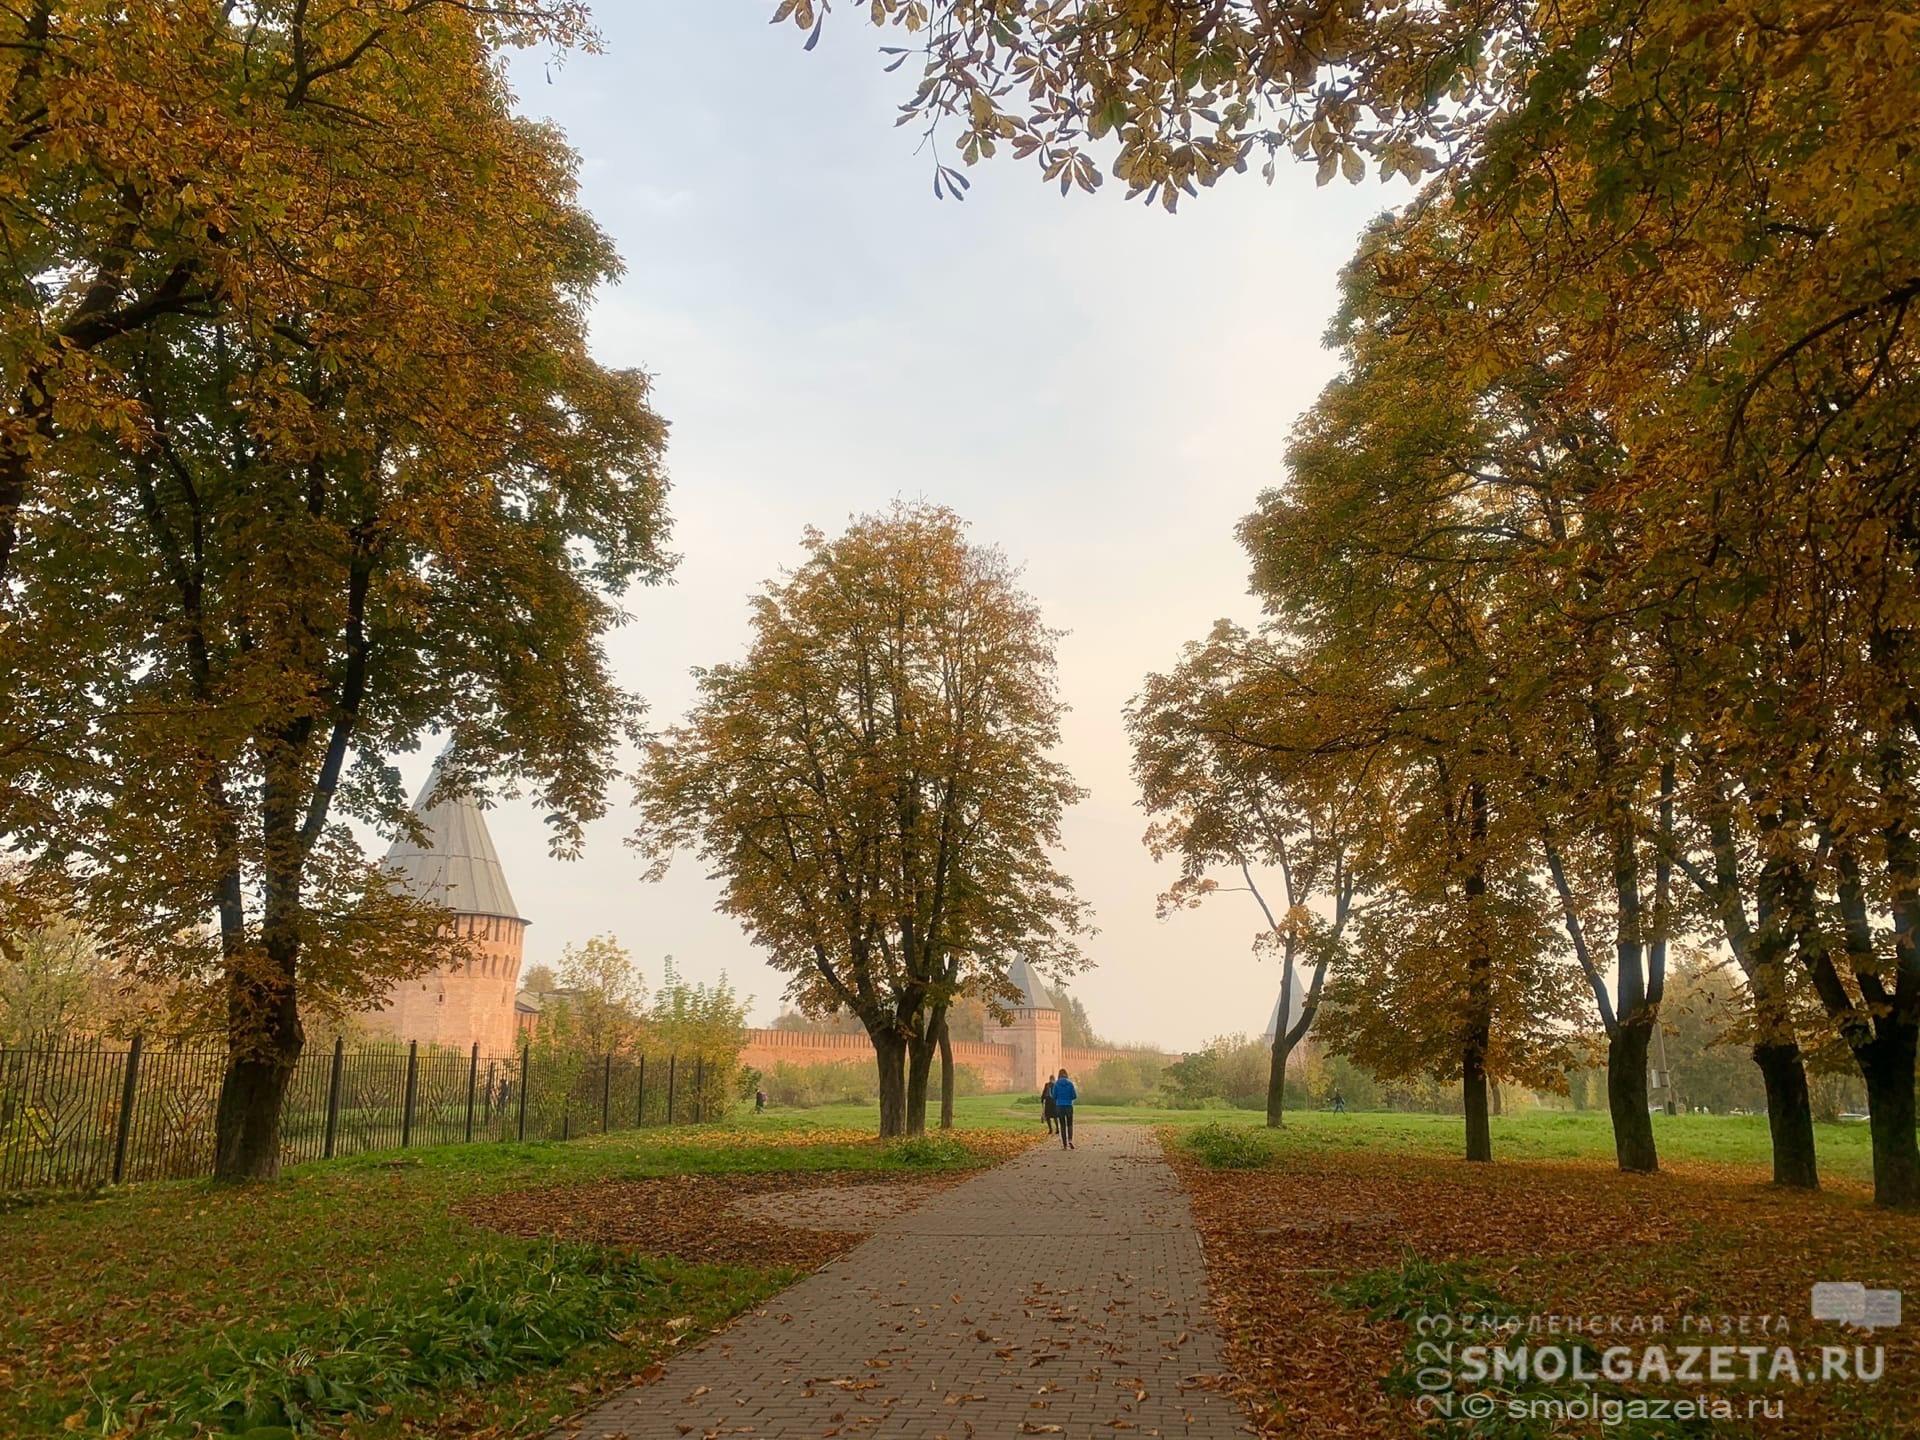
(464, 1003)
(1005, 1067)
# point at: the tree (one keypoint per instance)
(1076, 1026)
(1220, 755)
(54, 984)
(701, 1022)
(1703, 230)
(871, 785)
(165, 160)
(396, 496)
(599, 1006)
(1705, 1017)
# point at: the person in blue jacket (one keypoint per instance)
(1064, 1095)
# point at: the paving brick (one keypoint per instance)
(1062, 1289)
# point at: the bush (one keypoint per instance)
(804, 1086)
(927, 1152)
(1229, 1147)
(966, 1081)
(1125, 1079)
(1232, 1068)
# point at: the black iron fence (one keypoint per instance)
(77, 1115)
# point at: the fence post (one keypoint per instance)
(640, 1096)
(406, 1109)
(526, 1084)
(127, 1091)
(672, 1063)
(606, 1096)
(334, 1081)
(473, 1079)
(700, 1088)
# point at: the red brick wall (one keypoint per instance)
(800, 1048)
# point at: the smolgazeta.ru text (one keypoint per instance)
(1671, 1364)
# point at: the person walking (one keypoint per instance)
(1047, 1111)
(1064, 1094)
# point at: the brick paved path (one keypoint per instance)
(1058, 1294)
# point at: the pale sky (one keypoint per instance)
(1101, 389)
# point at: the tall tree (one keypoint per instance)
(872, 785)
(1226, 756)
(400, 495)
(165, 160)
(1702, 227)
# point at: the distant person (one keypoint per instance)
(1064, 1094)
(1339, 1103)
(759, 1101)
(1048, 1111)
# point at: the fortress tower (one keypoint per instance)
(1033, 1033)
(1296, 998)
(470, 1003)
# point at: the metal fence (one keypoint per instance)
(75, 1115)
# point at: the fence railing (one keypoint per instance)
(75, 1115)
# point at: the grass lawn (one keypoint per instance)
(1735, 1142)
(168, 1309)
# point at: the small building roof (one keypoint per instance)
(457, 864)
(1033, 995)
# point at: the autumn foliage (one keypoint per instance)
(1604, 541)
(873, 788)
(305, 454)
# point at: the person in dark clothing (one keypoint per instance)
(1047, 1110)
(759, 1101)
(1064, 1094)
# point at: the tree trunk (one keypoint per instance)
(946, 1076)
(1277, 1078)
(920, 1052)
(1473, 1099)
(890, 1054)
(1495, 1105)
(1479, 1024)
(1789, 1115)
(264, 1038)
(1627, 1093)
(1887, 1065)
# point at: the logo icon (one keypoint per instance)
(1851, 1303)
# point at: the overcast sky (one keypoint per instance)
(1102, 390)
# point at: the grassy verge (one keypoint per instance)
(350, 1299)
(1736, 1142)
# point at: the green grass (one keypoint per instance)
(1555, 1135)
(1739, 1140)
(317, 1294)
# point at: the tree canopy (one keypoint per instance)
(357, 478)
(873, 788)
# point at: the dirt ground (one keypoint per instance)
(794, 1219)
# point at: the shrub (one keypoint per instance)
(927, 1152)
(1125, 1079)
(1229, 1147)
(805, 1086)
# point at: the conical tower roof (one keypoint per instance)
(456, 865)
(1296, 1004)
(1033, 995)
